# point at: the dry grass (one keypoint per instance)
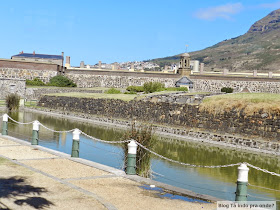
(250, 103)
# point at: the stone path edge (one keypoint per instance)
(117, 172)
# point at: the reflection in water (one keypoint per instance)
(218, 182)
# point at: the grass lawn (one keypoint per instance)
(249, 102)
(71, 88)
(124, 97)
(2, 103)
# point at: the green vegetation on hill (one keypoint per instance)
(258, 49)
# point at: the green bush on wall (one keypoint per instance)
(112, 91)
(227, 90)
(150, 87)
(61, 81)
(135, 88)
(35, 82)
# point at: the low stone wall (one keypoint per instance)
(178, 97)
(253, 85)
(8, 86)
(259, 125)
(98, 78)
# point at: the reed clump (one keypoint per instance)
(12, 102)
(144, 136)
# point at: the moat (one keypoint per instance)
(217, 182)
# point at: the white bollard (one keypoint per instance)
(35, 133)
(5, 124)
(242, 182)
(131, 158)
(76, 143)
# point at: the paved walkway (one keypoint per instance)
(35, 178)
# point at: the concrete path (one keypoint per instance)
(33, 177)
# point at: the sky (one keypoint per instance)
(122, 30)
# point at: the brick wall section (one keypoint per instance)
(8, 86)
(91, 78)
(259, 125)
(254, 85)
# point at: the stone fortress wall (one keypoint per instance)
(28, 70)
(118, 79)
(253, 84)
(122, 79)
(8, 86)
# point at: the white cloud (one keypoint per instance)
(223, 11)
(275, 5)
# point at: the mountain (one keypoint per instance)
(258, 49)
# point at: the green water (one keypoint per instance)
(218, 182)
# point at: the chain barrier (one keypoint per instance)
(20, 122)
(262, 187)
(185, 164)
(154, 153)
(55, 130)
(103, 141)
(253, 196)
(114, 153)
(263, 170)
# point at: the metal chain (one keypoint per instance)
(115, 153)
(103, 141)
(263, 170)
(55, 130)
(185, 164)
(20, 122)
(263, 187)
(156, 154)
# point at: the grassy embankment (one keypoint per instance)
(121, 96)
(250, 103)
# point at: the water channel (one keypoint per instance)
(217, 182)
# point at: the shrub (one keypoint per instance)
(150, 87)
(227, 90)
(177, 89)
(182, 89)
(35, 82)
(112, 91)
(12, 101)
(130, 92)
(61, 81)
(135, 88)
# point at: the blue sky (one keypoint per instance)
(111, 30)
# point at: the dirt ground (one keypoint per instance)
(35, 179)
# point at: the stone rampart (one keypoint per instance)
(8, 86)
(30, 74)
(99, 78)
(28, 70)
(253, 84)
(259, 125)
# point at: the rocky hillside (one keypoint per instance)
(258, 49)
